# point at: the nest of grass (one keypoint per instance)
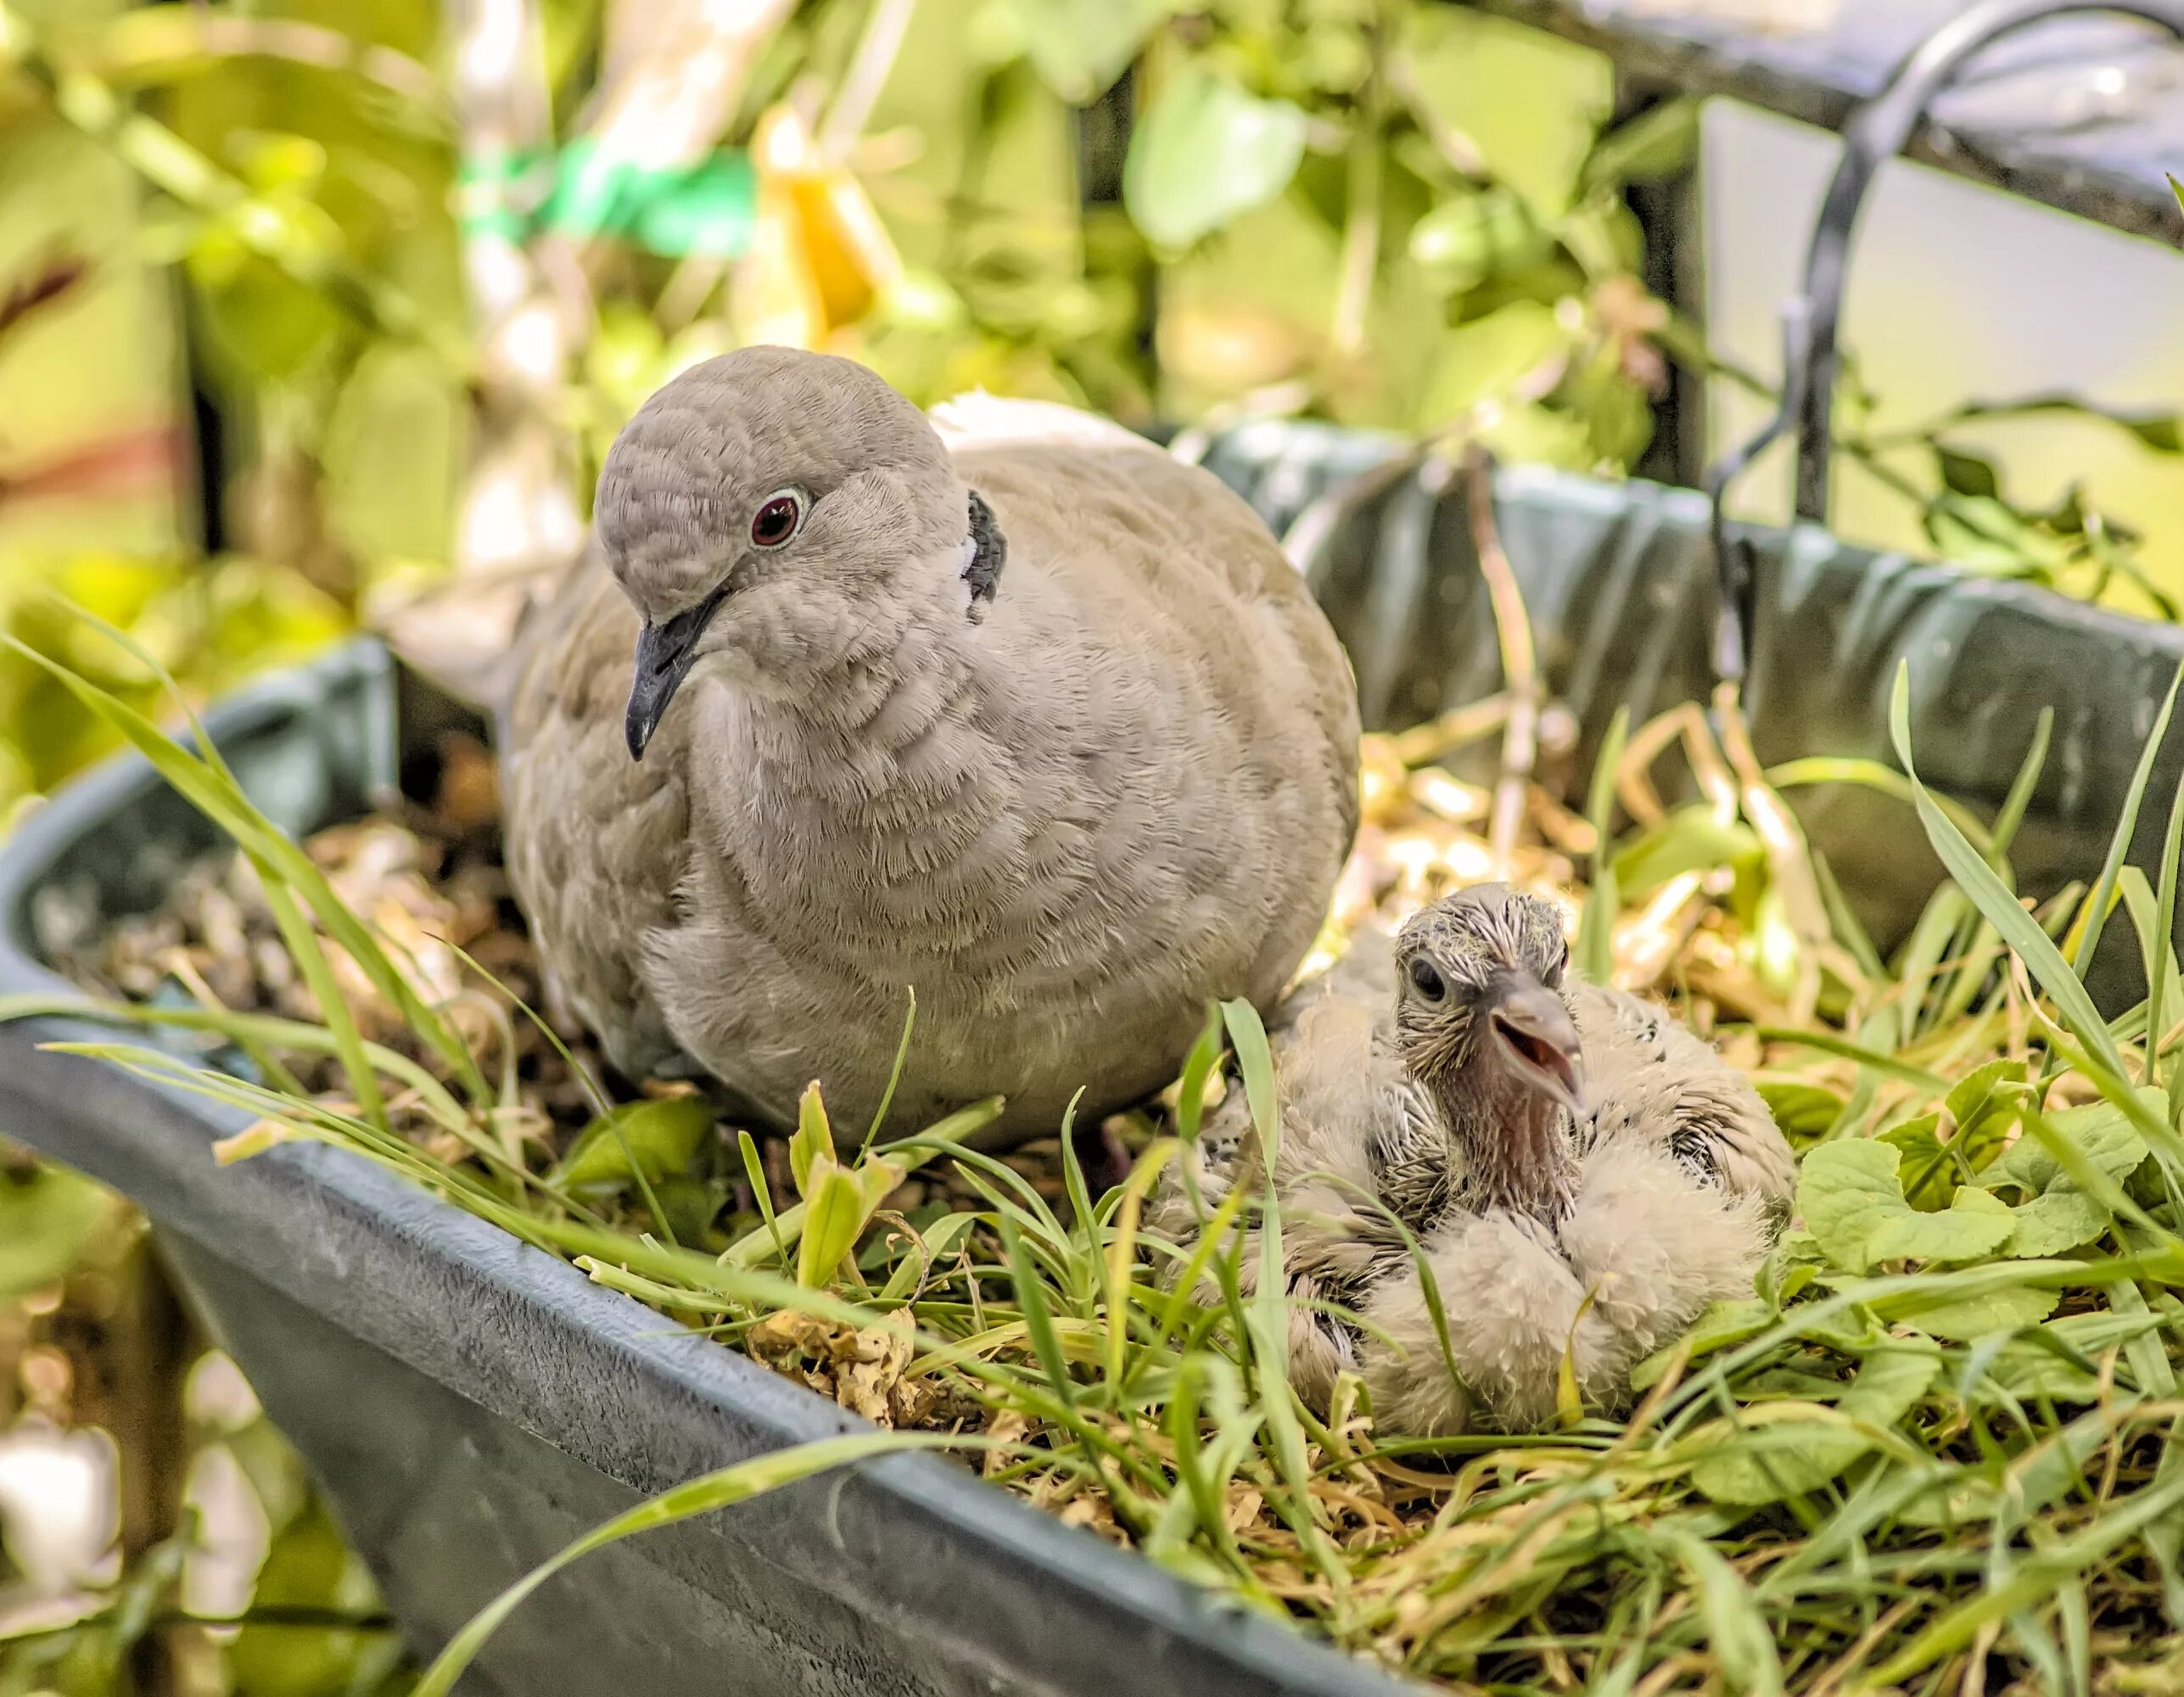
(1937, 1449)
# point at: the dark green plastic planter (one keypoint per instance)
(470, 1405)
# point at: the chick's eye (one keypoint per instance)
(780, 517)
(1426, 977)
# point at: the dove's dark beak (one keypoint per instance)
(665, 652)
(1535, 1038)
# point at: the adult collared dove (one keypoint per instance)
(1021, 713)
(1580, 1173)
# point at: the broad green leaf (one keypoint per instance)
(50, 1219)
(1928, 1172)
(812, 1138)
(1803, 1110)
(1204, 152)
(663, 1138)
(1473, 235)
(1974, 1224)
(1987, 1094)
(1484, 358)
(1689, 840)
(1979, 1317)
(1846, 1192)
(834, 1219)
(1783, 1450)
(1658, 144)
(2098, 1130)
(1080, 47)
(2062, 1218)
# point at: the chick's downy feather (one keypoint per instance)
(1679, 1179)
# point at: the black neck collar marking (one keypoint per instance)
(989, 552)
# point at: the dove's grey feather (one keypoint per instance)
(1065, 816)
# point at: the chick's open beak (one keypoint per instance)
(665, 652)
(1536, 1037)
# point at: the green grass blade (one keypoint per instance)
(1038, 1318)
(1596, 927)
(1994, 899)
(722, 1489)
(1191, 1093)
(894, 1074)
(2172, 846)
(1888, 1066)
(222, 802)
(2104, 889)
(1845, 769)
(2018, 801)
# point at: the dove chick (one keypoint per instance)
(1020, 714)
(1580, 1174)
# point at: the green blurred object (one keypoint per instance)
(48, 1220)
(707, 208)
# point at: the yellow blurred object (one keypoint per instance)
(820, 258)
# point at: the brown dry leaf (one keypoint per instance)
(869, 1366)
(1006, 1427)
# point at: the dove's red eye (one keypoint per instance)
(780, 517)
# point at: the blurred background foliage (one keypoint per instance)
(305, 303)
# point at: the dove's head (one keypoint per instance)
(1482, 1024)
(756, 485)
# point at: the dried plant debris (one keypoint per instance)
(1937, 1450)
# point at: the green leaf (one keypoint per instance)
(2062, 1218)
(2098, 1130)
(812, 1138)
(49, 1218)
(1928, 1173)
(1689, 840)
(1475, 234)
(1775, 1453)
(1967, 473)
(1206, 152)
(2156, 430)
(1982, 1102)
(1080, 47)
(1995, 901)
(1737, 1632)
(1974, 1224)
(662, 1137)
(1976, 1317)
(1255, 1061)
(1484, 357)
(1658, 144)
(833, 1220)
(1803, 1110)
(1846, 1192)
